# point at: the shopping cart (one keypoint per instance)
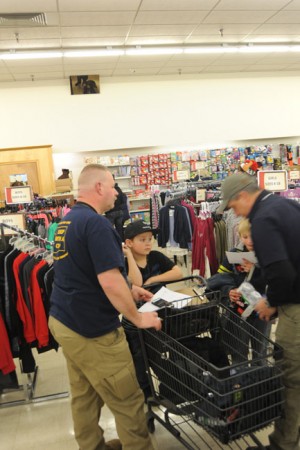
(198, 393)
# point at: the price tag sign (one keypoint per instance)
(18, 194)
(15, 220)
(200, 195)
(273, 180)
(181, 175)
(294, 175)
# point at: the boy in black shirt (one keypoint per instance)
(144, 266)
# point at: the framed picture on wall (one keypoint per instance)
(84, 84)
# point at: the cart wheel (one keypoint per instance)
(151, 425)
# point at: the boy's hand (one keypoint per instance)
(234, 295)
(247, 265)
(140, 293)
(126, 251)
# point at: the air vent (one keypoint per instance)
(23, 20)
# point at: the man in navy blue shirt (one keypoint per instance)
(90, 291)
(275, 225)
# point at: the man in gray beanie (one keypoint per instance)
(275, 225)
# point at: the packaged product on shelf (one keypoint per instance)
(124, 159)
(90, 160)
(194, 155)
(144, 161)
(104, 160)
(143, 179)
(203, 155)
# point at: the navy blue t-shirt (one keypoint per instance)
(85, 245)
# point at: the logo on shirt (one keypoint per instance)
(59, 250)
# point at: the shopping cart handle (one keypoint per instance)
(197, 278)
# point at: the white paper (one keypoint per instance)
(237, 257)
(168, 296)
(148, 307)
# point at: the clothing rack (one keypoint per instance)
(24, 233)
(29, 385)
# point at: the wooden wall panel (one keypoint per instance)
(37, 162)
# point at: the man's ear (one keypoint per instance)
(98, 187)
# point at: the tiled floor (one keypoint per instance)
(47, 425)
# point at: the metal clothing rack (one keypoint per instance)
(29, 385)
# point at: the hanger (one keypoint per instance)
(13, 239)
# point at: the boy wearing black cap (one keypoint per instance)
(144, 266)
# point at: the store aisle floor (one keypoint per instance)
(47, 425)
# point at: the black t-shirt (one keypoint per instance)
(157, 264)
(85, 245)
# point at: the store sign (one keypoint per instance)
(181, 175)
(18, 194)
(294, 175)
(273, 180)
(200, 195)
(14, 220)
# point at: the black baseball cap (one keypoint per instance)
(135, 228)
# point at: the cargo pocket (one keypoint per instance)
(124, 383)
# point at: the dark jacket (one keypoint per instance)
(182, 227)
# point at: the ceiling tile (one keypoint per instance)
(82, 70)
(141, 71)
(154, 40)
(30, 44)
(215, 39)
(286, 17)
(229, 28)
(223, 17)
(30, 33)
(173, 5)
(158, 30)
(97, 18)
(36, 69)
(181, 71)
(22, 6)
(85, 32)
(6, 77)
(170, 17)
(294, 4)
(266, 67)
(224, 69)
(93, 42)
(98, 5)
(272, 29)
(39, 76)
(248, 5)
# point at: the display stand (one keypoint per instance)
(29, 384)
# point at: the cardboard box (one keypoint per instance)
(64, 185)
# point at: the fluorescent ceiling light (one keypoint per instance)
(154, 51)
(31, 55)
(264, 48)
(91, 53)
(212, 49)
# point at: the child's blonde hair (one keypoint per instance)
(244, 227)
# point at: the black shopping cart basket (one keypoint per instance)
(198, 393)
